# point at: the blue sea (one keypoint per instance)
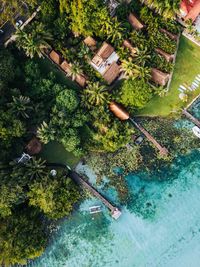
(159, 226)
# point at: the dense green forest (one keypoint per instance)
(30, 196)
(35, 103)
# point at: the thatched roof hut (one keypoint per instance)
(134, 21)
(81, 80)
(90, 42)
(55, 57)
(118, 111)
(128, 45)
(112, 73)
(34, 146)
(167, 56)
(159, 77)
(65, 66)
(170, 35)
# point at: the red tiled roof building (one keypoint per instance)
(190, 9)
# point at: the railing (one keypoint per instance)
(192, 118)
(163, 150)
(78, 179)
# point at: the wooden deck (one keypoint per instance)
(190, 117)
(115, 212)
(163, 150)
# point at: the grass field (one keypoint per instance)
(54, 152)
(186, 68)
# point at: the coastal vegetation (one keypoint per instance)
(168, 9)
(30, 195)
(39, 102)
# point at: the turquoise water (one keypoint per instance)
(159, 226)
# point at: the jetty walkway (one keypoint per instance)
(190, 117)
(163, 150)
(115, 212)
(123, 115)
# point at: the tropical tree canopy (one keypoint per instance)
(168, 8)
(94, 95)
(54, 197)
(67, 99)
(132, 70)
(34, 42)
(86, 17)
(135, 93)
(22, 237)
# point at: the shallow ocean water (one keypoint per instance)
(159, 227)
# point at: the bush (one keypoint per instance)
(134, 93)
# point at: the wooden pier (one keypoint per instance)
(115, 212)
(190, 117)
(123, 115)
(163, 150)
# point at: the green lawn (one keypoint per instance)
(186, 68)
(54, 152)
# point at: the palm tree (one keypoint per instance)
(190, 27)
(85, 52)
(141, 56)
(33, 43)
(20, 106)
(106, 28)
(115, 32)
(128, 67)
(75, 69)
(95, 95)
(131, 70)
(35, 168)
(144, 73)
(25, 172)
(45, 133)
(168, 8)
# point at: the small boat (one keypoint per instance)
(196, 131)
(94, 209)
(139, 140)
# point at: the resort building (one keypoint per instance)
(134, 21)
(118, 111)
(55, 57)
(90, 42)
(105, 62)
(190, 9)
(168, 57)
(128, 45)
(81, 80)
(66, 67)
(159, 77)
